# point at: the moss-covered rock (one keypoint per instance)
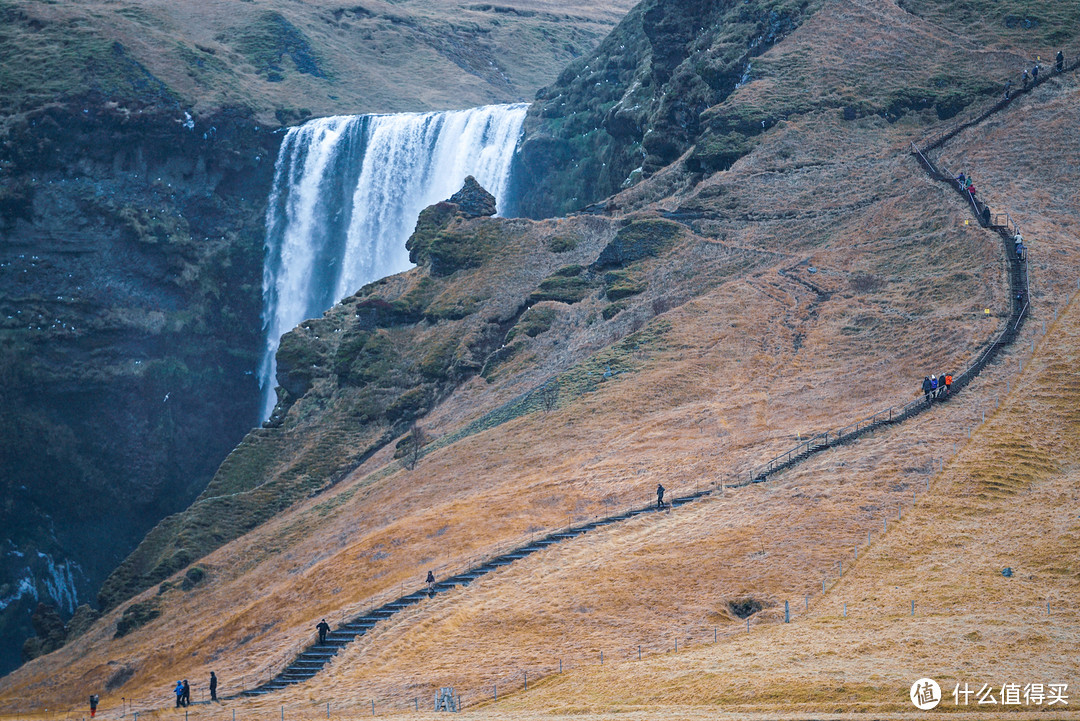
(623, 283)
(533, 322)
(562, 288)
(640, 239)
(412, 404)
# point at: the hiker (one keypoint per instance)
(933, 385)
(430, 582)
(1035, 73)
(927, 389)
(323, 628)
(940, 386)
(179, 691)
(948, 384)
(93, 705)
(213, 686)
(1020, 252)
(1008, 84)
(1027, 79)
(187, 694)
(1059, 63)
(659, 496)
(961, 181)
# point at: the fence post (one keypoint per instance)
(748, 625)
(787, 613)
(639, 652)
(912, 608)
(823, 587)
(602, 658)
(495, 689)
(526, 677)
(845, 610)
(327, 709)
(807, 602)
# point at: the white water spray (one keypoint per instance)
(347, 191)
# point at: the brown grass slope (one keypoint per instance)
(731, 367)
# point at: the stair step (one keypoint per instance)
(317, 654)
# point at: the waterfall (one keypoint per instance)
(347, 192)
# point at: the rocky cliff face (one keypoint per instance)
(637, 103)
(130, 298)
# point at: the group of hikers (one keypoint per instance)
(1030, 78)
(1019, 247)
(183, 691)
(966, 184)
(936, 387)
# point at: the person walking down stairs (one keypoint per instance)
(659, 496)
(323, 628)
(927, 389)
(1060, 62)
(430, 583)
(213, 686)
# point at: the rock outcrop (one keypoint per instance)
(472, 200)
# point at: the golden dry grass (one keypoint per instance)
(754, 358)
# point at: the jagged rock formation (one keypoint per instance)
(472, 200)
(638, 102)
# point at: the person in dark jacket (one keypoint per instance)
(93, 705)
(1026, 79)
(1035, 73)
(1060, 62)
(323, 628)
(659, 496)
(187, 695)
(927, 389)
(213, 686)
(430, 582)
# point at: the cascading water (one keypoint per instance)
(346, 195)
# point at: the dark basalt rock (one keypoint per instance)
(472, 200)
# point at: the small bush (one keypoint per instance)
(137, 615)
(192, 578)
(613, 309)
(562, 244)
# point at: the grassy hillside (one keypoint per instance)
(290, 60)
(815, 280)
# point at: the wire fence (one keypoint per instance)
(1014, 91)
